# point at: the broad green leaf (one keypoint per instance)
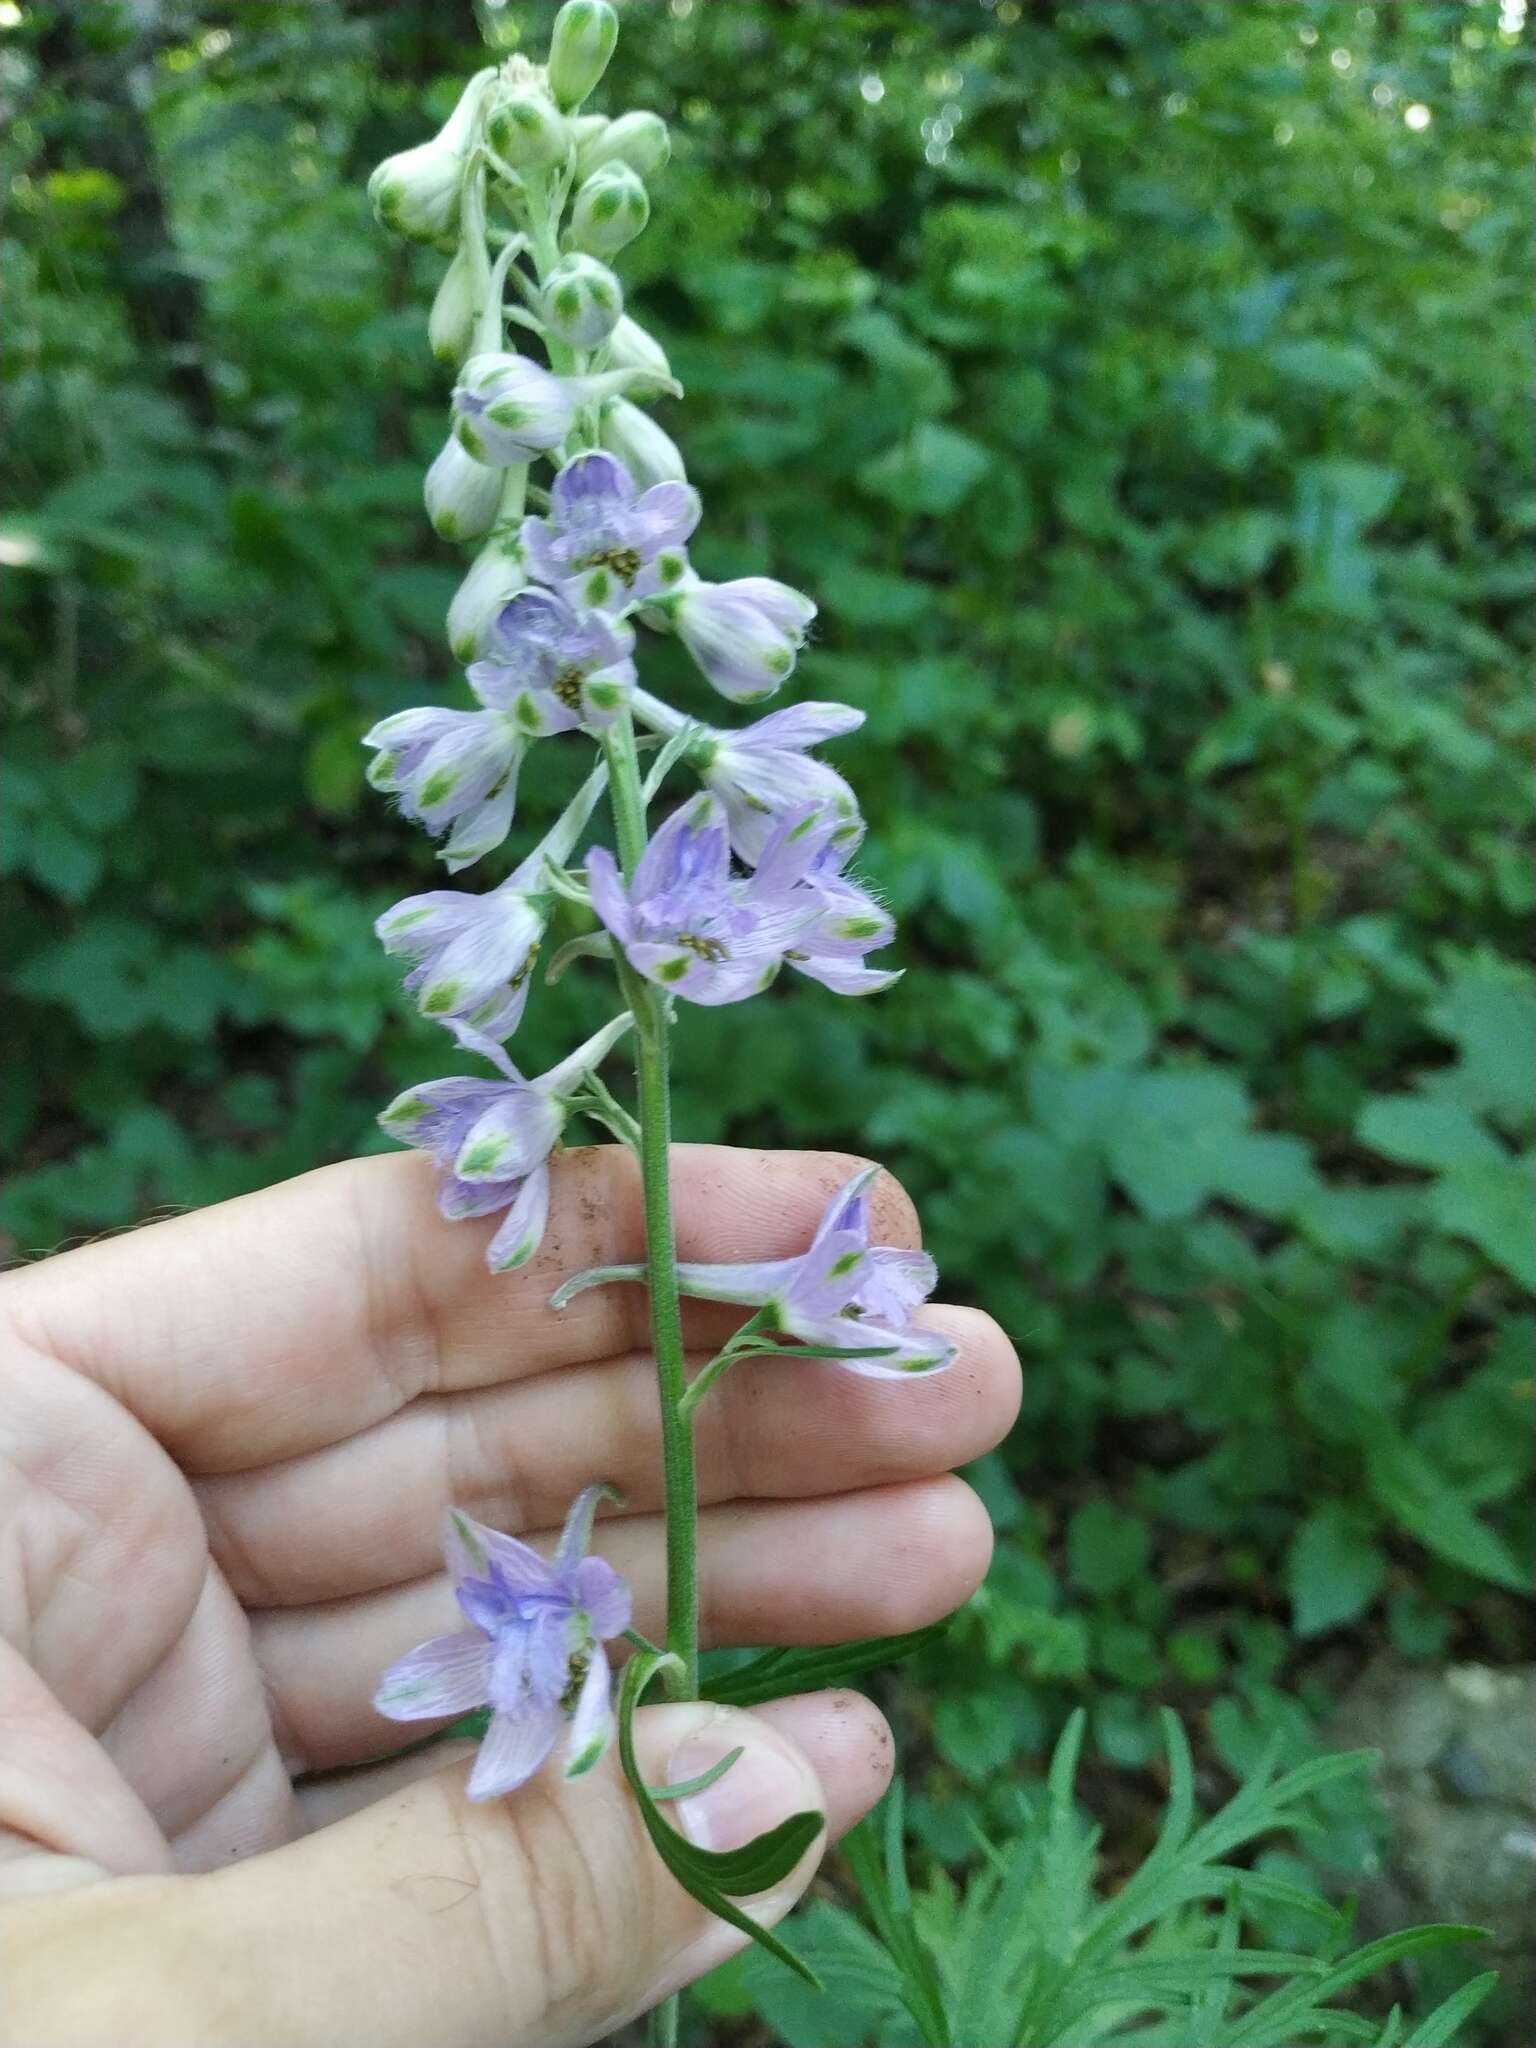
(1334, 1570)
(1494, 1205)
(1421, 1130)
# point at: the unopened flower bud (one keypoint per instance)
(638, 139)
(585, 126)
(580, 45)
(466, 283)
(609, 210)
(416, 193)
(631, 348)
(528, 130)
(582, 301)
(461, 494)
(508, 409)
(495, 575)
(647, 451)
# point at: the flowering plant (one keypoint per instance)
(746, 876)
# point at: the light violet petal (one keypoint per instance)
(411, 728)
(604, 1597)
(790, 610)
(512, 1134)
(897, 1282)
(577, 1532)
(447, 1675)
(513, 1749)
(828, 1277)
(435, 1111)
(592, 1722)
(538, 539)
(709, 982)
(799, 727)
(522, 1228)
(848, 1208)
(609, 899)
(469, 1548)
(902, 1354)
(592, 475)
(458, 1200)
(690, 845)
(844, 979)
(483, 826)
(668, 513)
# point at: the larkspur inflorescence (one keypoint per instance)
(747, 876)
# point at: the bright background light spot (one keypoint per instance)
(871, 87)
(1284, 133)
(1417, 116)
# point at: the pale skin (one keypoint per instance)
(225, 1444)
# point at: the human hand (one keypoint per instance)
(225, 1445)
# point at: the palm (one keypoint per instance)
(236, 1434)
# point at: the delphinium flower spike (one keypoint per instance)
(581, 508)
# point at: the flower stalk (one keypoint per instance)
(653, 1087)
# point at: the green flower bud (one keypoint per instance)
(582, 301)
(461, 494)
(609, 211)
(466, 283)
(527, 130)
(638, 139)
(496, 574)
(585, 126)
(416, 193)
(647, 451)
(498, 24)
(631, 348)
(580, 45)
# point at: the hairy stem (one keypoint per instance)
(651, 1073)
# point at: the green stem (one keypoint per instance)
(652, 1079)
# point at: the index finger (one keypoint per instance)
(291, 1318)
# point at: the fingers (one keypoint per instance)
(267, 1326)
(546, 1917)
(365, 1513)
(824, 1571)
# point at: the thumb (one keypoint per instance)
(544, 1918)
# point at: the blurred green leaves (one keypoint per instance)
(1157, 447)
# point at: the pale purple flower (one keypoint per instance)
(491, 1140)
(508, 408)
(606, 543)
(472, 955)
(842, 1294)
(806, 854)
(532, 1653)
(765, 772)
(451, 770)
(552, 667)
(743, 635)
(686, 923)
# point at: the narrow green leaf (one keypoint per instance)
(714, 1877)
(778, 1672)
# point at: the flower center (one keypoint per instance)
(567, 686)
(707, 949)
(624, 562)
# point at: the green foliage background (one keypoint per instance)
(1141, 391)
